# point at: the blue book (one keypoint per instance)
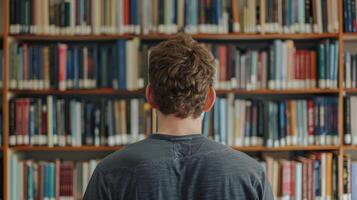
(52, 182)
(45, 181)
(95, 63)
(317, 178)
(321, 65)
(30, 181)
(282, 121)
(54, 119)
(73, 121)
(218, 6)
(21, 65)
(121, 46)
(75, 68)
(335, 73)
(30, 60)
(69, 64)
(354, 180)
(332, 62)
(174, 16)
(194, 13)
(328, 61)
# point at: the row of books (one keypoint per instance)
(123, 65)
(280, 66)
(349, 16)
(285, 16)
(77, 66)
(350, 65)
(32, 179)
(56, 121)
(314, 176)
(240, 122)
(349, 178)
(171, 16)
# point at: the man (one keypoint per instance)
(178, 162)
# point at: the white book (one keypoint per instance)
(85, 176)
(298, 181)
(134, 118)
(319, 16)
(323, 176)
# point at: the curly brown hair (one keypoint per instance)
(181, 72)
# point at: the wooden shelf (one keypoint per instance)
(103, 91)
(349, 36)
(288, 91)
(351, 90)
(350, 147)
(114, 148)
(69, 149)
(110, 91)
(70, 37)
(229, 36)
(287, 148)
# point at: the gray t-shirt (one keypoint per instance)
(191, 167)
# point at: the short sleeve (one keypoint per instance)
(97, 187)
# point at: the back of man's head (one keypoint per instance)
(181, 73)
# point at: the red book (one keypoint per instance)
(126, 12)
(302, 68)
(222, 57)
(62, 49)
(25, 114)
(313, 66)
(25, 63)
(310, 121)
(286, 179)
(292, 178)
(18, 125)
(307, 68)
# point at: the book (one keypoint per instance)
(55, 121)
(273, 123)
(49, 179)
(167, 17)
(350, 69)
(294, 178)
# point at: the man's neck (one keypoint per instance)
(171, 125)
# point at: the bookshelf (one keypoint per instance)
(6, 92)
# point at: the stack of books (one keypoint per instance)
(55, 121)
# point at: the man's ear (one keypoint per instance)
(150, 96)
(211, 98)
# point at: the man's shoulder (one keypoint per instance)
(233, 162)
(130, 157)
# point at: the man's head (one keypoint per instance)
(181, 77)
